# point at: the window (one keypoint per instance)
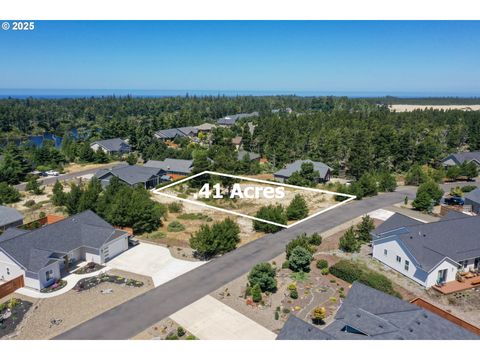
(385, 252)
(49, 274)
(8, 271)
(407, 264)
(399, 259)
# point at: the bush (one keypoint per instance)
(286, 265)
(191, 337)
(468, 188)
(318, 315)
(301, 240)
(387, 182)
(322, 264)
(271, 213)
(277, 315)
(175, 226)
(325, 271)
(256, 293)
(29, 203)
(180, 331)
(315, 239)
(300, 259)
(428, 195)
(8, 194)
(294, 294)
(350, 271)
(263, 274)
(175, 207)
(297, 209)
(349, 242)
(219, 238)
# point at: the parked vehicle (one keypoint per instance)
(133, 242)
(454, 200)
(52, 173)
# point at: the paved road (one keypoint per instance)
(69, 176)
(134, 316)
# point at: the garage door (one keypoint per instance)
(114, 248)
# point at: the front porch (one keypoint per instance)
(464, 282)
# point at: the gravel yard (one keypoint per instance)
(50, 317)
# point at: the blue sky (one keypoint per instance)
(325, 56)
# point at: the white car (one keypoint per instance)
(52, 173)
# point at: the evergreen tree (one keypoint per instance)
(300, 259)
(8, 194)
(364, 229)
(34, 186)
(349, 242)
(263, 274)
(271, 213)
(58, 196)
(297, 209)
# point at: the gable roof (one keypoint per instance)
(455, 238)
(173, 165)
(232, 119)
(237, 140)
(382, 316)
(9, 215)
(253, 156)
(473, 195)
(297, 329)
(174, 132)
(116, 144)
(289, 169)
(131, 174)
(205, 127)
(37, 248)
(394, 222)
(460, 158)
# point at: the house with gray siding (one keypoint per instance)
(45, 254)
(473, 199)
(111, 146)
(284, 174)
(429, 253)
(172, 166)
(9, 217)
(369, 314)
(460, 158)
(132, 175)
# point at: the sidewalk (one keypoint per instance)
(71, 279)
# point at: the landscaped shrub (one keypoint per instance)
(263, 274)
(29, 203)
(294, 294)
(301, 240)
(325, 271)
(180, 331)
(468, 188)
(300, 259)
(322, 264)
(351, 271)
(256, 293)
(286, 264)
(271, 213)
(175, 226)
(315, 239)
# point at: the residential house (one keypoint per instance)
(429, 253)
(251, 155)
(132, 175)
(171, 134)
(369, 314)
(205, 128)
(460, 158)
(45, 254)
(9, 217)
(111, 146)
(169, 167)
(230, 120)
(473, 199)
(285, 173)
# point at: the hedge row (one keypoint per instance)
(352, 271)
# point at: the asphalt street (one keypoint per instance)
(134, 316)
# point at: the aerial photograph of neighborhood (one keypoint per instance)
(239, 180)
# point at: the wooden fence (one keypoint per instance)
(10, 286)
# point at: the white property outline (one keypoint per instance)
(159, 192)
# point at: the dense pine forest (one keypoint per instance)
(355, 135)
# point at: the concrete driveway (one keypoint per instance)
(154, 261)
(210, 319)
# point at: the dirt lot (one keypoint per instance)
(73, 167)
(403, 108)
(199, 216)
(73, 308)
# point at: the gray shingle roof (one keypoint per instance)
(171, 165)
(9, 215)
(382, 316)
(394, 222)
(205, 127)
(252, 155)
(297, 329)
(131, 174)
(37, 248)
(473, 195)
(232, 119)
(174, 132)
(460, 158)
(116, 144)
(289, 169)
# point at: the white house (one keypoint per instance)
(45, 254)
(430, 253)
